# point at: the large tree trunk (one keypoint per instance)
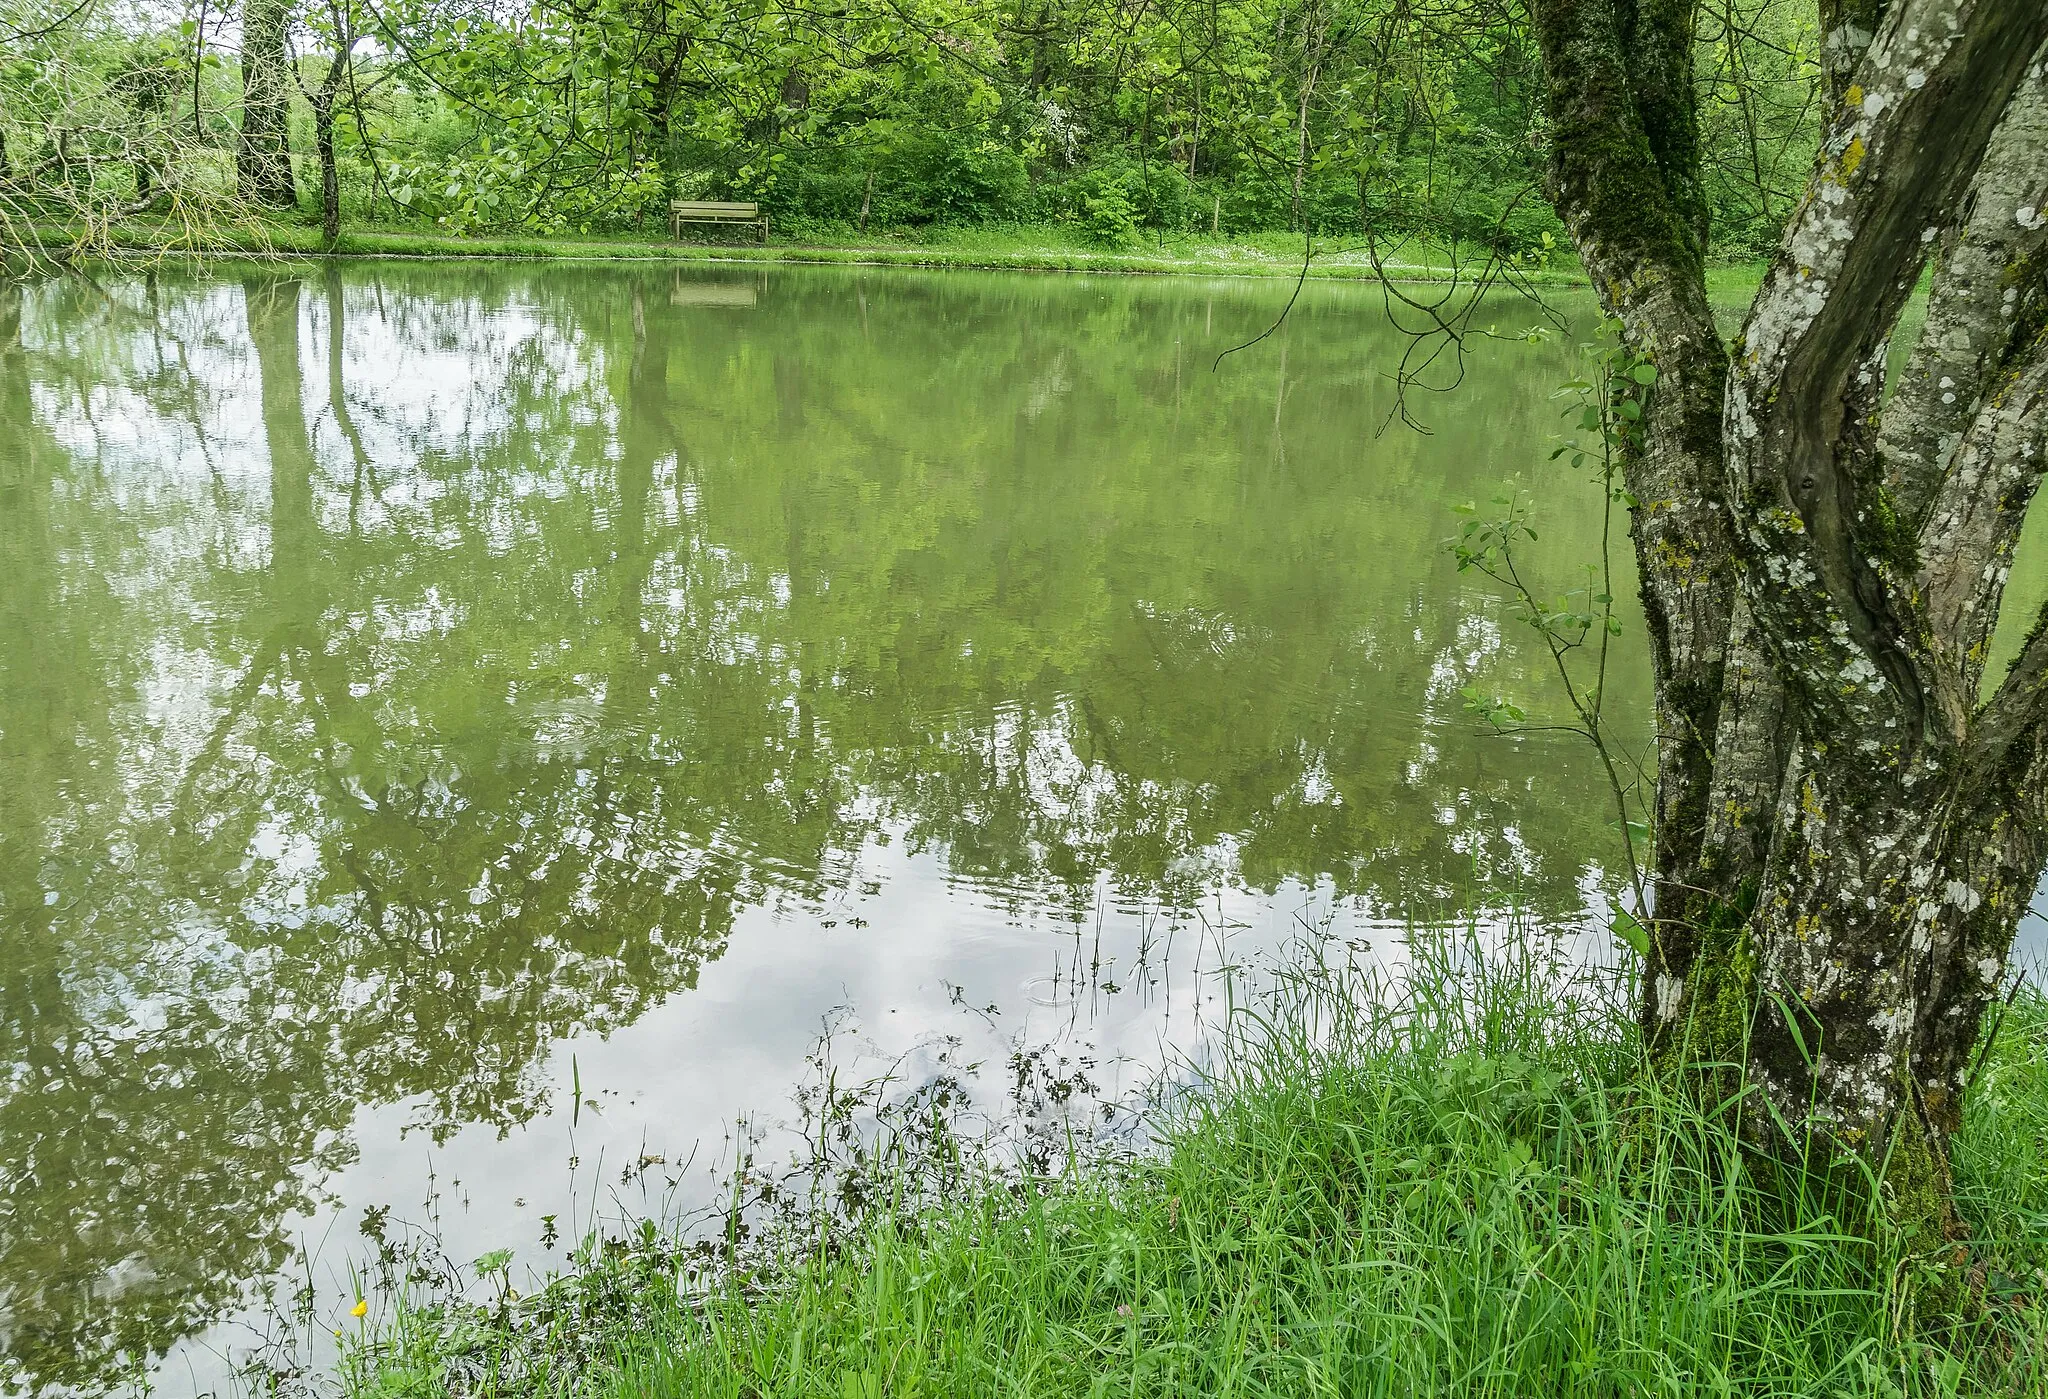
(1848, 831)
(263, 166)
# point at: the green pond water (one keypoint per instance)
(428, 692)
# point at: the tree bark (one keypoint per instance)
(263, 167)
(330, 175)
(1847, 833)
(323, 140)
(1642, 238)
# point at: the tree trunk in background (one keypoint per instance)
(323, 141)
(263, 167)
(1315, 32)
(1846, 834)
(665, 53)
(330, 176)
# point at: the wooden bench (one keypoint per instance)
(682, 211)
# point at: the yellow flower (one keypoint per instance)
(360, 1310)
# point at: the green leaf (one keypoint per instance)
(1644, 374)
(1791, 1020)
(1631, 932)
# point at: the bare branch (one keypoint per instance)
(21, 36)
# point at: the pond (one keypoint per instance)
(461, 720)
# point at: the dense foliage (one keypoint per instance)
(1388, 118)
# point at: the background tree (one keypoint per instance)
(1388, 118)
(1758, 61)
(98, 124)
(336, 26)
(263, 162)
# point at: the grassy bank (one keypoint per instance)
(1457, 1189)
(1047, 248)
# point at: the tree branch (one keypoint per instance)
(1909, 137)
(2017, 714)
(1992, 479)
(1975, 308)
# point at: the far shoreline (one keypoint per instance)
(1024, 249)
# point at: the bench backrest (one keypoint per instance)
(711, 209)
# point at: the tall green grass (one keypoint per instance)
(1458, 1184)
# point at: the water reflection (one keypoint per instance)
(406, 670)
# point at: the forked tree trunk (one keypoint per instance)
(263, 166)
(1848, 827)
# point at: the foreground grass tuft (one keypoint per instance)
(1458, 1189)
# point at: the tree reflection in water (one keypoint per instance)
(405, 668)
